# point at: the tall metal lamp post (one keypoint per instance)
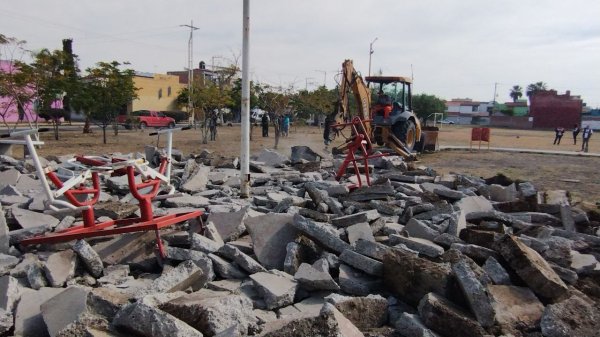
(371, 53)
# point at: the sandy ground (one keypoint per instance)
(548, 172)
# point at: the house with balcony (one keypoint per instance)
(467, 111)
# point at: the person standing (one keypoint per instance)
(264, 122)
(212, 126)
(559, 133)
(575, 133)
(586, 134)
(286, 125)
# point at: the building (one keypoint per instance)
(549, 110)
(518, 108)
(467, 111)
(155, 92)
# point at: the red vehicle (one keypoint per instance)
(146, 118)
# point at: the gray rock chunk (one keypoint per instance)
(195, 177)
(419, 229)
(475, 293)
(29, 220)
(182, 201)
(445, 318)
(64, 309)
(573, 317)
(6, 321)
(361, 262)
(7, 262)
(225, 269)
(352, 219)
(213, 314)
(244, 261)
(186, 274)
(449, 193)
(496, 272)
(230, 226)
(276, 288)
(35, 275)
(203, 244)
(354, 282)
(270, 235)
(374, 250)
(10, 293)
(60, 267)
(320, 233)
(148, 321)
(477, 253)
(422, 246)
(4, 236)
(313, 278)
(91, 260)
(360, 231)
(531, 267)
(182, 254)
(293, 258)
(412, 326)
(28, 316)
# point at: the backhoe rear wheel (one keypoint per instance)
(406, 132)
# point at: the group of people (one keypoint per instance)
(586, 134)
(283, 122)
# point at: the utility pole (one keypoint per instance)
(371, 53)
(494, 100)
(245, 143)
(191, 70)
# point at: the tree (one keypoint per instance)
(516, 92)
(104, 92)
(277, 102)
(317, 103)
(534, 88)
(424, 105)
(209, 99)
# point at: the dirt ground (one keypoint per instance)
(576, 174)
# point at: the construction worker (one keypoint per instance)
(586, 134)
(264, 122)
(575, 133)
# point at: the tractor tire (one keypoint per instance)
(407, 133)
(420, 146)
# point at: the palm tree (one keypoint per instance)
(533, 88)
(516, 92)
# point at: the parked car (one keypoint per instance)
(146, 118)
(446, 121)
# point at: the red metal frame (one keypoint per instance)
(90, 228)
(359, 142)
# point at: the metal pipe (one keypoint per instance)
(245, 143)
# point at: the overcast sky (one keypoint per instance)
(453, 48)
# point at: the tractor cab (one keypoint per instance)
(392, 98)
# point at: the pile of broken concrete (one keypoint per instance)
(414, 254)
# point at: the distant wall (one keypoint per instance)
(516, 122)
(550, 110)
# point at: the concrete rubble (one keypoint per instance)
(415, 254)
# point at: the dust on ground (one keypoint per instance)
(547, 172)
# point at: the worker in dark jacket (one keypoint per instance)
(264, 122)
(586, 134)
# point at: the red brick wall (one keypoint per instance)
(550, 110)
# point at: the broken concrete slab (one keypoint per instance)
(244, 261)
(361, 262)
(477, 253)
(352, 219)
(271, 158)
(325, 235)
(106, 302)
(374, 250)
(186, 200)
(410, 278)
(64, 309)
(412, 326)
(276, 288)
(365, 313)
(7, 262)
(573, 317)
(203, 244)
(60, 267)
(343, 325)
(517, 308)
(35, 275)
(226, 269)
(583, 263)
(422, 246)
(445, 318)
(496, 272)
(10, 292)
(4, 233)
(28, 317)
(29, 220)
(186, 274)
(196, 179)
(230, 226)
(270, 235)
(212, 314)
(144, 320)
(135, 249)
(531, 267)
(182, 254)
(475, 293)
(91, 260)
(312, 278)
(354, 282)
(360, 231)
(419, 229)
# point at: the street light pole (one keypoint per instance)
(371, 53)
(191, 68)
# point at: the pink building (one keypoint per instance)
(8, 106)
